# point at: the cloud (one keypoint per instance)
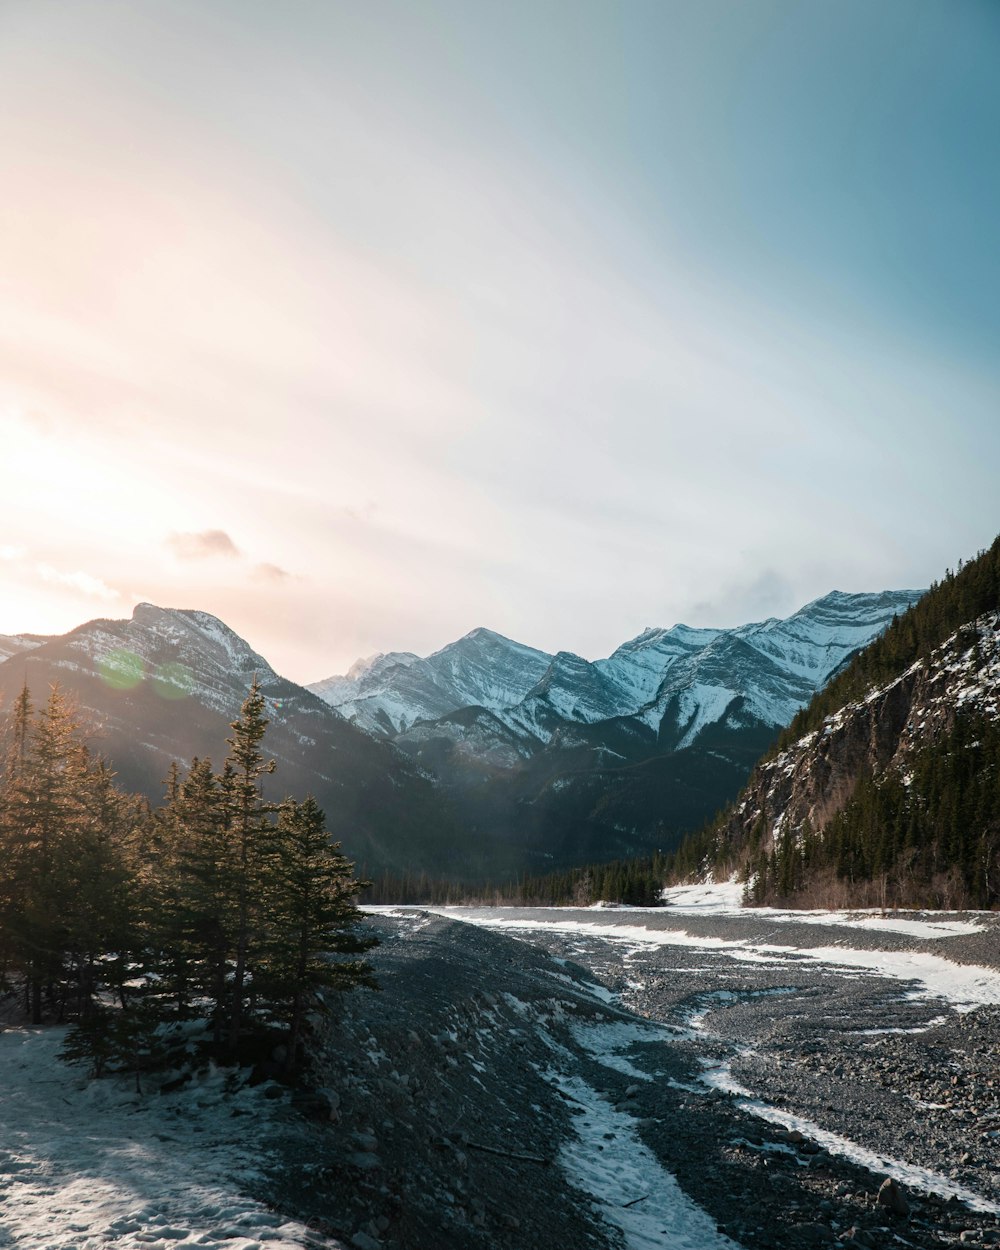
(84, 583)
(270, 573)
(201, 546)
(8, 552)
(767, 594)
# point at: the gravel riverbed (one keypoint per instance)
(545, 1087)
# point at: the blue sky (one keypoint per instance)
(566, 319)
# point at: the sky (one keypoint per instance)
(363, 325)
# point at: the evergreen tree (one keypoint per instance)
(249, 830)
(311, 918)
(63, 828)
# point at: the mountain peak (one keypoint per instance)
(482, 634)
(775, 663)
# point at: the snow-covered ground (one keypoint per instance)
(630, 1188)
(92, 1164)
(724, 898)
(923, 1180)
(964, 986)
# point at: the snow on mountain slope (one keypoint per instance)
(814, 642)
(166, 685)
(487, 669)
(183, 652)
(700, 690)
(392, 692)
(675, 682)
(572, 689)
(363, 677)
(639, 666)
(773, 666)
(14, 644)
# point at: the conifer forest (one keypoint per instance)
(216, 919)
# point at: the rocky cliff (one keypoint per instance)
(798, 792)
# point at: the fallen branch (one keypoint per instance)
(634, 1201)
(507, 1154)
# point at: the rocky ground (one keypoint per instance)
(494, 1095)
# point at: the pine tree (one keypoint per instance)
(249, 828)
(63, 835)
(200, 894)
(42, 809)
(311, 918)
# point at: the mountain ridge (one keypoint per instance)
(164, 686)
(622, 756)
(807, 648)
(473, 791)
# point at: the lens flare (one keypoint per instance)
(122, 670)
(173, 681)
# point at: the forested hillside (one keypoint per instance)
(886, 789)
(957, 600)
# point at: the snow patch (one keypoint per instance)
(907, 1174)
(89, 1164)
(629, 1187)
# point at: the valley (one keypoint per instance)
(695, 1077)
(782, 1066)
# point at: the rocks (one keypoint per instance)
(316, 1104)
(815, 1234)
(407, 1150)
(892, 1197)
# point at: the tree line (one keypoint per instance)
(217, 907)
(637, 882)
(929, 837)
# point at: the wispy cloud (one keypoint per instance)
(203, 545)
(8, 552)
(270, 573)
(84, 583)
(770, 593)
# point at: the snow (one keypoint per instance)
(702, 705)
(90, 1164)
(608, 1161)
(964, 986)
(15, 644)
(907, 1174)
(774, 665)
(724, 898)
(711, 897)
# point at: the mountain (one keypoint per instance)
(885, 790)
(486, 759)
(13, 644)
(165, 686)
(389, 693)
(773, 666)
(554, 759)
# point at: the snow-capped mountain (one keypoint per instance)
(13, 644)
(165, 685)
(674, 682)
(555, 759)
(387, 694)
(487, 757)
